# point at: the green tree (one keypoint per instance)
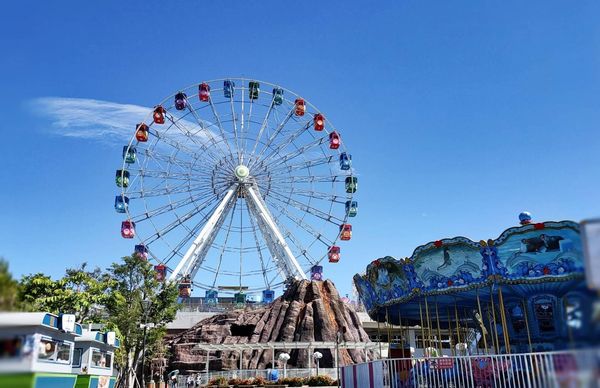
(139, 309)
(9, 288)
(80, 292)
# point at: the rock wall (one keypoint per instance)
(307, 311)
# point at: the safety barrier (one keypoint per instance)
(578, 368)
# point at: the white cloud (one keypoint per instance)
(90, 119)
(106, 121)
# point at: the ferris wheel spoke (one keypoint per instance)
(166, 175)
(271, 163)
(299, 166)
(193, 137)
(245, 128)
(196, 253)
(310, 179)
(302, 250)
(183, 164)
(224, 244)
(261, 130)
(278, 247)
(179, 221)
(322, 196)
(187, 238)
(221, 129)
(306, 208)
(303, 225)
(167, 139)
(183, 188)
(169, 207)
(274, 134)
(208, 133)
(258, 249)
(287, 141)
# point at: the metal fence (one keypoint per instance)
(204, 377)
(531, 370)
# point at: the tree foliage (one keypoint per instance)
(79, 292)
(8, 288)
(139, 300)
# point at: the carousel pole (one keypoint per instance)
(457, 322)
(527, 326)
(428, 323)
(450, 332)
(387, 325)
(401, 332)
(495, 322)
(495, 340)
(378, 335)
(422, 328)
(483, 329)
(503, 320)
(439, 333)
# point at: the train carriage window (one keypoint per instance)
(55, 351)
(101, 359)
(77, 353)
(10, 347)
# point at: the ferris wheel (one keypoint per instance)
(236, 185)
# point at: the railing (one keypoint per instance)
(579, 368)
(252, 373)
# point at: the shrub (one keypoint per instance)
(319, 381)
(259, 380)
(291, 381)
(221, 380)
(239, 381)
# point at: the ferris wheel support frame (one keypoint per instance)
(281, 253)
(194, 257)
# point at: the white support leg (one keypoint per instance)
(193, 258)
(282, 254)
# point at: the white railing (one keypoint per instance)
(578, 368)
(252, 373)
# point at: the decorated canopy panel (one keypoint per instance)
(549, 252)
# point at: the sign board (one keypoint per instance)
(441, 363)
(67, 322)
(110, 338)
(590, 237)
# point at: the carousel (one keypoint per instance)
(521, 292)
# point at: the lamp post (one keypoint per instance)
(284, 357)
(145, 307)
(317, 356)
(338, 338)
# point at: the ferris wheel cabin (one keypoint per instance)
(334, 254)
(319, 122)
(159, 115)
(129, 154)
(122, 178)
(141, 132)
(128, 229)
(253, 90)
(204, 92)
(351, 208)
(121, 203)
(299, 107)
(277, 96)
(180, 101)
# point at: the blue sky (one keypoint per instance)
(458, 114)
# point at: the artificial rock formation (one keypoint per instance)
(307, 311)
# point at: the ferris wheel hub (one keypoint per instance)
(242, 172)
